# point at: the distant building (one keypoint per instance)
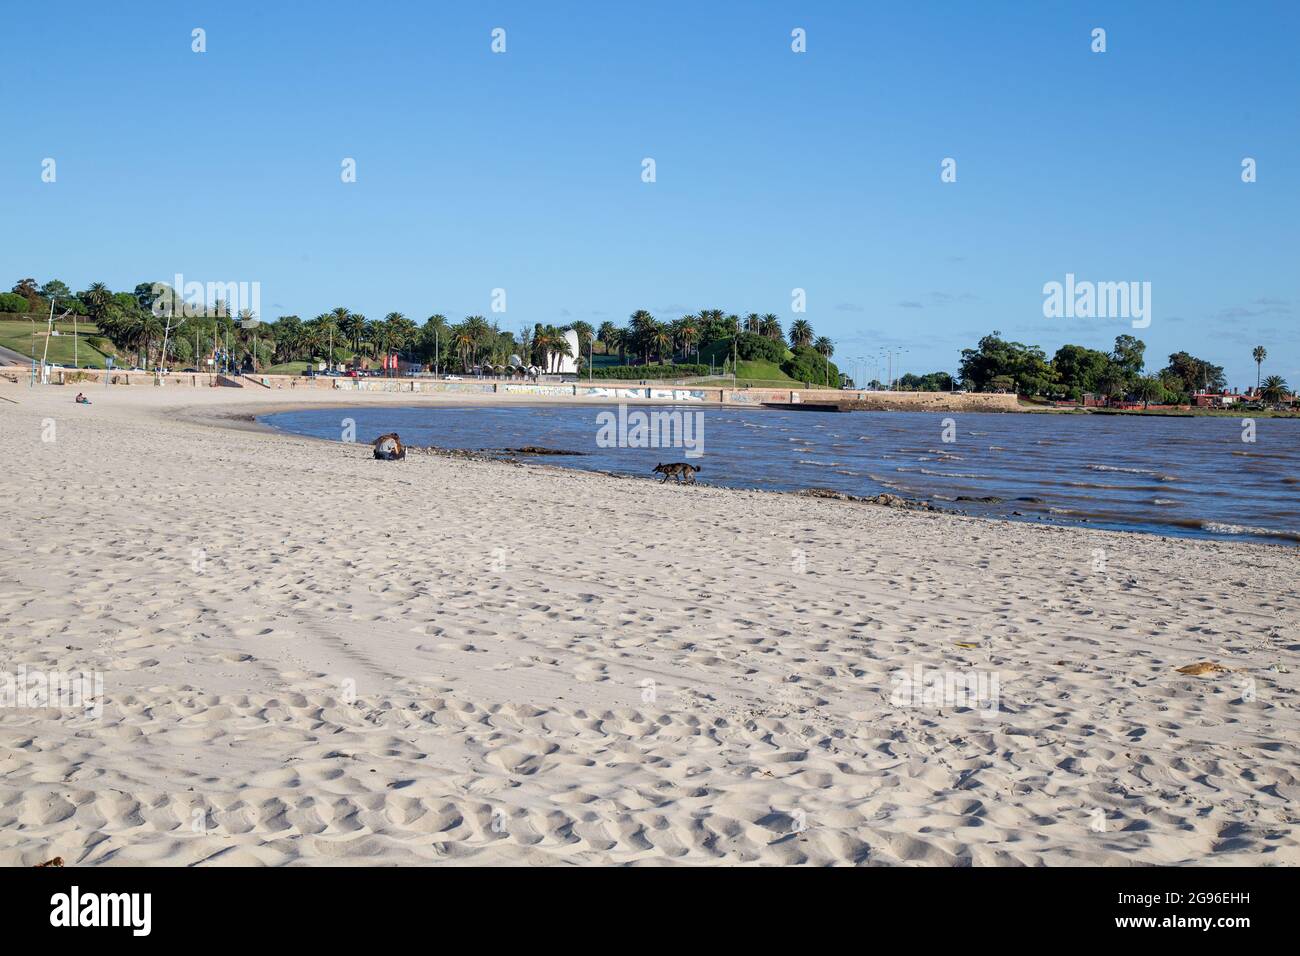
(1204, 399)
(565, 364)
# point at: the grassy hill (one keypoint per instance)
(16, 334)
(759, 374)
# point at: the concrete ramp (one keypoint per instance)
(226, 382)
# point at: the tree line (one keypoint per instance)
(998, 365)
(129, 323)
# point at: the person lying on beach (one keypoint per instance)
(389, 448)
(82, 399)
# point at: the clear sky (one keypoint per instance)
(775, 170)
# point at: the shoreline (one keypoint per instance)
(1193, 529)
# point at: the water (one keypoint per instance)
(1175, 476)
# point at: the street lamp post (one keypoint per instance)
(49, 330)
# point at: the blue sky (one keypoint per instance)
(775, 170)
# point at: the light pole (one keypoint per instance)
(49, 332)
(49, 328)
(162, 358)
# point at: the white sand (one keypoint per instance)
(232, 586)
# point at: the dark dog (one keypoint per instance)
(679, 470)
(389, 448)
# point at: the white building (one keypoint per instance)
(565, 364)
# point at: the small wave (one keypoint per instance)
(1222, 527)
(951, 474)
(1134, 471)
(1163, 501)
(1128, 471)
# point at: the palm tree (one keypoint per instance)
(606, 335)
(1149, 388)
(771, 327)
(433, 337)
(801, 333)
(1259, 353)
(824, 346)
(463, 341)
(1112, 385)
(353, 326)
(399, 331)
(553, 346)
(662, 339)
(290, 335)
(325, 328)
(687, 331)
(641, 327)
(586, 334)
(617, 339)
(753, 323)
(1275, 390)
(97, 299)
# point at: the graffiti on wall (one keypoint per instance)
(540, 389)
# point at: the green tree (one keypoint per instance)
(1079, 369)
(605, 336)
(801, 333)
(1150, 389)
(55, 289)
(642, 330)
(97, 299)
(1275, 390)
(1194, 374)
(1258, 353)
(997, 365)
(586, 335)
(808, 365)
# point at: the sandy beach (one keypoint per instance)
(308, 656)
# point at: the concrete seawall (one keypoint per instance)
(609, 391)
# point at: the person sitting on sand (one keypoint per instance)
(82, 399)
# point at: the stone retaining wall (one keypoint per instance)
(900, 401)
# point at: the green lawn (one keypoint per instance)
(286, 368)
(760, 374)
(16, 334)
